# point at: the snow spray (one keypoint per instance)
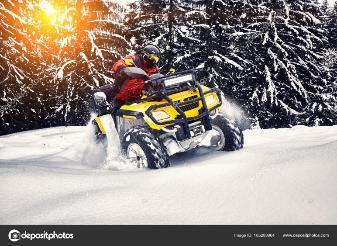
(93, 154)
(113, 153)
(106, 154)
(234, 112)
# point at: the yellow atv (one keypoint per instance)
(176, 114)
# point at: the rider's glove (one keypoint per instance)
(100, 98)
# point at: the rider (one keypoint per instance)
(128, 89)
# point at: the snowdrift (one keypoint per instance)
(282, 176)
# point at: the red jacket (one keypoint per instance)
(131, 89)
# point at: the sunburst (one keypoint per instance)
(47, 7)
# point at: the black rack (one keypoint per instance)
(182, 120)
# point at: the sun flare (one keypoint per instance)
(47, 7)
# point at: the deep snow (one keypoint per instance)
(282, 176)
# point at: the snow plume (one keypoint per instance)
(113, 159)
(93, 154)
(233, 112)
(106, 154)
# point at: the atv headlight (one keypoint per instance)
(178, 80)
(211, 100)
(160, 115)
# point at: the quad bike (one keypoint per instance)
(175, 114)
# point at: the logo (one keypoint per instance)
(14, 235)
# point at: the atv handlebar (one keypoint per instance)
(154, 85)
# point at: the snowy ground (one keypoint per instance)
(284, 176)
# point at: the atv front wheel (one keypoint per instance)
(144, 149)
(229, 135)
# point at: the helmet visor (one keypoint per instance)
(154, 58)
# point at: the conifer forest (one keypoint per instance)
(275, 59)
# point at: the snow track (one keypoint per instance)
(283, 176)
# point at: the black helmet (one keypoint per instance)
(151, 53)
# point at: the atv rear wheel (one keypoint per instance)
(144, 149)
(230, 136)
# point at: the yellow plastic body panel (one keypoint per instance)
(100, 125)
(143, 106)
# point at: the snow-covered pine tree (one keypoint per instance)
(265, 54)
(20, 68)
(85, 56)
(333, 27)
(190, 34)
(321, 107)
(176, 26)
(147, 23)
(285, 49)
(53, 53)
(330, 56)
(223, 63)
(325, 6)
